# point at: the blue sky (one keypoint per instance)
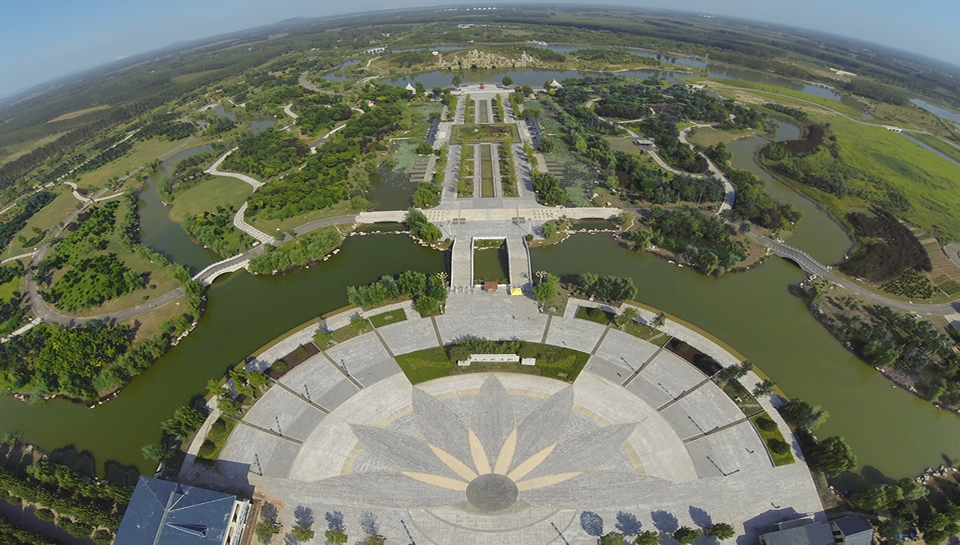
(40, 41)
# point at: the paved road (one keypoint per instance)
(311, 87)
(215, 170)
(319, 142)
(18, 257)
(811, 265)
(289, 112)
(325, 222)
(953, 252)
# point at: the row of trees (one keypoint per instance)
(16, 221)
(307, 249)
(420, 227)
(428, 292)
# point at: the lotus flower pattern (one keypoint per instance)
(492, 462)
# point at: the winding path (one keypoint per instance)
(251, 230)
(289, 112)
(215, 170)
(305, 83)
(812, 266)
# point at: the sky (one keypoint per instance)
(41, 41)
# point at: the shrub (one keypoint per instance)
(321, 338)
(302, 532)
(427, 305)
(301, 351)
(682, 346)
(218, 431)
(265, 529)
(102, 537)
(777, 446)
(206, 449)
(280, 366)
(766, 424)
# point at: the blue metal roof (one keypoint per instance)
(168, 513)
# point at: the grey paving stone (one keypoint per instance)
(316, 376)
(247, 445)
(296, 418)
(493, 417)
(733, 450)
(401, 452)
(594, 490)
(626, 351)
(365, 359)
(495, 316)
(613, 371)
(391, 490)
(583, 451)
(544, 425)
(572, 333)
(701, 411)
(409, 336)
(441, 426)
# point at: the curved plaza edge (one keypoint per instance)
(287, 440)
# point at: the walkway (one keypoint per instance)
(518, 259)
(249, 229)
(811, 266)
(461, 264)
(311, 87)
(215, 170)
(231, 264)
(289, 112)
(81, 198)
(18, 257)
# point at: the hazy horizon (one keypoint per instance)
(61, 38)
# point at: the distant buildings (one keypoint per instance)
(168, 513)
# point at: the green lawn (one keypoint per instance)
(823, 101)
(929, 181)
(709, 136)
(206, 196)
(387, 318)
(346, 333)
(645, 332)
(275, 227)
(470, 133)
(219, 442)
(778, 459)
(46, 219)
(6, 290)
(596, 315)
(141, 154)
(486, 172)
(552, 362)
(467, 160)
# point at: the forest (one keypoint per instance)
(266, 154)
(308, 248)
(215, 230)
(887, 248)
(702, 240)
(30, 206)
(648, 183)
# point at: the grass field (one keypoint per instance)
(148, 325)
(424, 365)
(273, 227)
(486, 172)
(939, 145)
(46, 220)
(552, 362)
(387, 318)
(469, 133)
(645, 332)
(141, 154)
(929, 182)
(18, 150)
(206, 196)
(823, 101)
(77, 113)
(467, 160)
(6, 290)
(589, 314)
(709, 136)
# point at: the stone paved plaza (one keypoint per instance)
(641, 437)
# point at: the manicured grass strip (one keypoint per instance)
(597, 315)
(387, 318)
(774, 434)
(218, 441)
(346, 333)
(646, 333)
(552, 362)
(742, 397)
(486, 172)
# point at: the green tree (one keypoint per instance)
(527, 90)
(427, 305)
(457, 80)
(226, 404)
(421, 89)
(626, 316)
(544, 292)
(322, 337)
(647, 538)
(412, 283)
(507, 80)
(763, 388)
(686, 535)
(358, 322)
(721, 530)
(257, 379)
(102, 537)
(659, 320)
(612, 538)
(832, 456)
(436, 92)
(335, 536)
(157, 452)
(265, 529)
(801, 414)
(303, 532)
(626, 220)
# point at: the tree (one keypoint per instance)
(612, 538)
(457, 80)
(420, 88)
(544, 292)
(721, 531)
(659, 320)
(156, 452)
(686, 535)
(626, 317)
(358, 322)
(257, 379)
(436, 92)
(763, 388)
(102, 537)
(648, 538)
(427, 305)
(322, 337)
(801, 414)
(527, 90)
(412, 283)
(832, 456)
(335, 536)
(507, 80)
(424, 149)
(626, 220)
(303, 532)
(265, 529)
